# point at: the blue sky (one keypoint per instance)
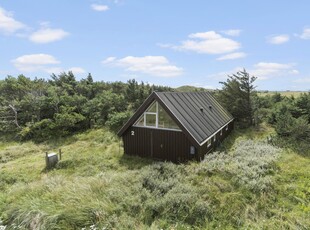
(170, 43)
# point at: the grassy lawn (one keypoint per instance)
(247, 185)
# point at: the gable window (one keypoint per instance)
(164, 120)
(156, 116)
(150, 120)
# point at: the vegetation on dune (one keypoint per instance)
(289, 116)
(189, 88)
(288, 93)
(259, 178)
(250, 185)
(40, 110)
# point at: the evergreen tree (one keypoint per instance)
(237, 96)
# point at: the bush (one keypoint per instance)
(41, 130)
(249, 165)
(117, 120)
(168, 196)
(161, 177)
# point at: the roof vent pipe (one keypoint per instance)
(201, 109)
(210, 106)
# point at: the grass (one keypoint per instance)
(283, 93)
(95, 186)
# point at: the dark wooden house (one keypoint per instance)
(176, 126)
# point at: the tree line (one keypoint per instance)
(290, 116)
(40, 109)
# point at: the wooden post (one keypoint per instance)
(60, 153)
(46, 159)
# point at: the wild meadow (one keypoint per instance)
(246, 184)
(258, 178)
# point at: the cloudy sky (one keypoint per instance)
(162, 42)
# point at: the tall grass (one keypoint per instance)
(94, 186)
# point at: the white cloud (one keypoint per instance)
(266, 70)
(279, 39)
(234, 33)
(76, 70)
(261, 70)
(98, 7)
(34, 62)
(151, 65)
(305, 34)
(208, 42)
(232, 56)
(8, 24)
(109, 60)
(46, 35)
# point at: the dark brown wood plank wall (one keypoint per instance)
(164, 144)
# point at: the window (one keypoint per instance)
(140, 122)
(221, 132)
(214, 138)
(156, 116)
(226, 128)
(150, 119)
(164, 120)
(152, 108)
(192, 150)
(209, 143)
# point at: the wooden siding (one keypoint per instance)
(204, 149)
(159, 144)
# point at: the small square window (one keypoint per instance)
(209, 143)
(192, 150)
(150, 120)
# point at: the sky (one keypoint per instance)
(161, 42)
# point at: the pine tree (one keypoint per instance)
(236, 96)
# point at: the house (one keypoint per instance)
(176, 126)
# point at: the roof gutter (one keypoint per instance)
(202, 143)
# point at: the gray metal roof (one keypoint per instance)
(198, 112)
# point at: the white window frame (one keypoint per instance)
(209, 143)
(150, 113)
(153, 113)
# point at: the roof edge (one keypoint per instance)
(212, 135)
(136, 114)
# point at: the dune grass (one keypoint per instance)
(247, 185)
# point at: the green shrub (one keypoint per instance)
(117, 120)
(159, 178)
(250, 165)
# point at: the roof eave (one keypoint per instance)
(136, 114)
